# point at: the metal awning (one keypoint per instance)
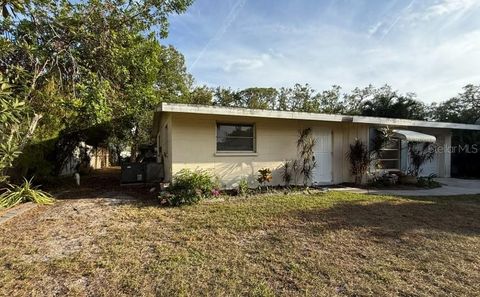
(413, 136)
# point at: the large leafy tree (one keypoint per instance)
(227, 97)
(83, 64)
(330, 101)
(259, 98)
(463, 108)
(388, 103)
(201, 95)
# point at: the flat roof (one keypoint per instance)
(294, 115)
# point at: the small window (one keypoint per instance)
(389, 157)
(235, 138)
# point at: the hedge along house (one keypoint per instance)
(234, 143)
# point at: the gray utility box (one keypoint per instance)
(141, 173)
(133, 173)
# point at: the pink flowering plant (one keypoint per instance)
(215, 192)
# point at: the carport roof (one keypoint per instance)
(414, 136)
(292, 115)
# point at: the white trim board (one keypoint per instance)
(291, 115)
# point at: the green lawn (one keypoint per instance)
(322, 244)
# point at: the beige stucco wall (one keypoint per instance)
(192, 144)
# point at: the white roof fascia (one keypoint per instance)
(293, 115)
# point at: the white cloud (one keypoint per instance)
(245, 64)
(446, 7)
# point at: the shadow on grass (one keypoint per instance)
(394, 218)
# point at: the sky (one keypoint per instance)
(430, 47)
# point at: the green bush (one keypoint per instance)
(189, 187)
(428, 182)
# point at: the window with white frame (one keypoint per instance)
(389, 156)
(235, 137)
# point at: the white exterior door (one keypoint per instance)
(323, 174)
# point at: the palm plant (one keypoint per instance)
(26, 192)
(287, 172)
(359, 159)
(419, 155)
(305, 146)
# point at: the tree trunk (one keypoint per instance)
(118, 152)
(31, 130)
(133, 153)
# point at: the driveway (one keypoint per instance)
(450, 187)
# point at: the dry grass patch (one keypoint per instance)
(323, 244)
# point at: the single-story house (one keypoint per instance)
(234, 143)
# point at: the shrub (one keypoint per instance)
(243, 187)
(428, 182)
(264, 176)
(189, 187)
(15, 195)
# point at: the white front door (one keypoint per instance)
(322, 174)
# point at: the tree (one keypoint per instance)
(329, 101)
(12, 7)
(226, 97)
(12, 111)
(353, 101)
(463, 108)
(388, 103)
(83, 64)
(201, 95)
(258, 98)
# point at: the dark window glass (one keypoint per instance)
(232, 137)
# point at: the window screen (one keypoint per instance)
(389, 157)
(235, 138)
